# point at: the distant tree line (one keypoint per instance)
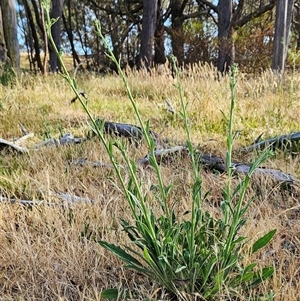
(143, 33)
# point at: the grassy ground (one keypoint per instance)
(51, 252)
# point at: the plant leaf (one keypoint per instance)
(180, 268)
(262, 275)
(260, 243)
(123, 255)
(115, 294)
(110, 293)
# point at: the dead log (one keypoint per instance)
(165, 155)
(215, 163)
(275, 174)
(23, 202)
(67, 198)
(281, 142)
(66, 139)
(71, 198)
(10, 146)
(20, 141)
(132, 132)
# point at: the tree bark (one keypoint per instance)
(2, 41)
(35, 38)
(147, 34)
(56, 13)
(225, 31)
(296, 25)
(9, 22)
(177, 41)
(68, 27)
(159, 37)
(46, 49)
(281, 37)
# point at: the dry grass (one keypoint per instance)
(51, 253)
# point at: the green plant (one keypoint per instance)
(7, 75)
(195, 257)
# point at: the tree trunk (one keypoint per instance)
(296, 25)
(177, 40)
(147, 34)
(68, 27)
(159, 37)
(56, 13)
(35, 38)
(9, 21)
(2, 41)
(282, 30)
(225, 31)
(46, 49)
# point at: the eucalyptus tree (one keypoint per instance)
(179, 13)
(282, 32)
(68, 22)
(147, 33)
(230, 15)
(121, 25)
(2, 40)
(296, 24)
(31, 23)
(9, 31)
(56, 13)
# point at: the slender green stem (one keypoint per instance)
(196, 201)
(72, 83)
(148, 139)
(230, 144)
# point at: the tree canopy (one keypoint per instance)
(147, 32)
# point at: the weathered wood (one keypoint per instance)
(9, 19)
(67, 139)
(70, 199)
(7, 145)
(129, 131)
(164, 155)
(23, 202)
(280, 142)
(275, 174)
(215, 163)
(283, 18)
(168, 154)
(21, 140)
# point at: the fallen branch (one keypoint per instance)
(66, 139)
(129, 131)
(21, 140)
(280, 142)
(215, 163)
(7, 145)
(165, 155)
(71, 198)
(24, 202)
(275, 174)
(67, 198)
